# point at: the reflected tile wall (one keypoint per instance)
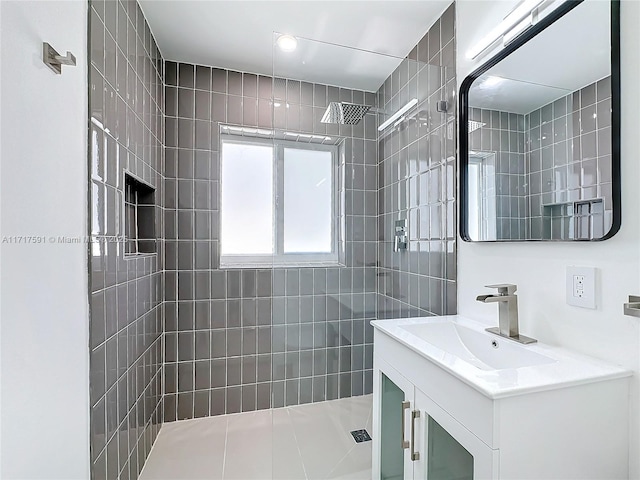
(126, 128)
(417, 181)
(556, 154)
(569, 148)
(241, 340)
(503, 134)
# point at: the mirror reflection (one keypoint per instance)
(539, 158)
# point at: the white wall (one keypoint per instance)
(539, 268)
(43, 291)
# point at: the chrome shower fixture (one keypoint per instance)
(345, 113)
(442, 106)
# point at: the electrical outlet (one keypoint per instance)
(578, 286)
(581, 286)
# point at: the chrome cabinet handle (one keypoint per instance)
(405, 406)
(414, 455)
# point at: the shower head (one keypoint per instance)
(345, 113)
(473, 125)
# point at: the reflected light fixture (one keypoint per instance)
(398, 114)
(515, 17)
(287, 43)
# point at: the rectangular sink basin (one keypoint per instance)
(480, 349)
(495, 366)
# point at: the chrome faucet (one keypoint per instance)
(507, 312)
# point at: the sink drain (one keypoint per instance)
(494, 344)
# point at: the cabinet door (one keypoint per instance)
(393, 403)
(446, 449)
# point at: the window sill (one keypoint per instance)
(262, 266)
(133, 256)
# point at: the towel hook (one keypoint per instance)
(54, 60)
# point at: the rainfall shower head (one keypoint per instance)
(473, 125)
(345, 113)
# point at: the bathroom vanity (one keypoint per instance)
(452, 401)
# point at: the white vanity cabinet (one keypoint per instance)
(415, 438)
(430, 424)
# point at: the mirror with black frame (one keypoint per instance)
(539, 132)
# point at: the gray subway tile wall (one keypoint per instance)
(568, 143)
(241, 340)
(416, 181)
(126, 129)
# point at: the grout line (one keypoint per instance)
(153, 445)
(340, 461)
(224, 456)
(332, 405)
(295, 437)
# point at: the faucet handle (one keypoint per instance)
(504, 288)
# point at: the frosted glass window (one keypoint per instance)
(277, 203)
(475, 206)
(246, 199)
(308, 189)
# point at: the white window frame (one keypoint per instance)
(279, 258)
(476, 220)
(486, 222)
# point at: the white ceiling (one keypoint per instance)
(330, 64)
(512, 96)
(238, 35)
(570, 54)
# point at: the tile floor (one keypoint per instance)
(304, 442)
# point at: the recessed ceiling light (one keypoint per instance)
(287, 43)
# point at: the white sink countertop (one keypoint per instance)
(495, 366)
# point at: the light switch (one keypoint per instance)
(581, 286)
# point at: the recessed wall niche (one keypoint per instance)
(139, 217)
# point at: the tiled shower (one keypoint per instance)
(246, 339)
(176, 337)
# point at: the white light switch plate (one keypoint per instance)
(581, 286)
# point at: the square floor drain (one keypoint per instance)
(360, 436)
